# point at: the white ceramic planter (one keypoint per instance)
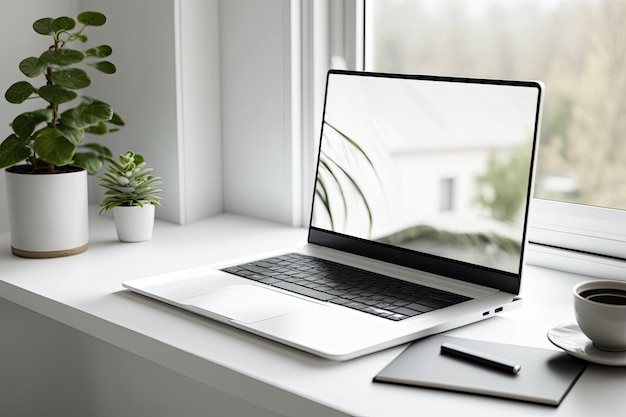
(135, 223)
(48, 213)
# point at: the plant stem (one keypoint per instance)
(33, 161)
(53, 106)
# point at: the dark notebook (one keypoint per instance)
(546, 376)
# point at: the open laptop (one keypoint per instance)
(418, 221)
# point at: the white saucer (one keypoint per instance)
(572, 340)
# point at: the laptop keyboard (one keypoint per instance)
(366, 291)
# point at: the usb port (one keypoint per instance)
(486, 313)
(499, 309)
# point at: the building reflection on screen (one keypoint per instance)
(438, 167)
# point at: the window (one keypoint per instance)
(577, 48)
(446, 194)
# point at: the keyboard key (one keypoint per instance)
(269, 280)
(407, 311)
(356, 305)
(419, 307)
(433, 302)
(339, 300)
(379, 311)
(318, 295)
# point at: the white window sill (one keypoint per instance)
(84, 292)
(592, 266)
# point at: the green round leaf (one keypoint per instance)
(32, 67)
(101, 51)
(86, 115)
(101, 150)
(63, 24)
(72, 78)
(92, 18)
(98, 112)
(19, 92)
(99, 128)
(56, 94)
(53, 147)
(44, 26)
(24, 125)
(90, 161)
(104, 66)
(13, 150)
(75, 136)
(62, 57)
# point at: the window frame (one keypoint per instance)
(578, 228)
(588, 234)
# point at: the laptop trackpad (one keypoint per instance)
(246, 303)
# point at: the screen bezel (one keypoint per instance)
(467, 272)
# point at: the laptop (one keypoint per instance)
(418, 220)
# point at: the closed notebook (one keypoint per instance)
(545, 377)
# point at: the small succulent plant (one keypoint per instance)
(129, 183)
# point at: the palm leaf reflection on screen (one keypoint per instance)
(332, 175)
(437, 167)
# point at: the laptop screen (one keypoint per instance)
(429, 172)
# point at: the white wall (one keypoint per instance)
(207, 91)
(166, 89)
(260, 152)
(143, 91)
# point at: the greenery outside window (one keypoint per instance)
(577, 48)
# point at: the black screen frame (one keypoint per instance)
(471, 273)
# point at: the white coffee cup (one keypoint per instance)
(600, 309)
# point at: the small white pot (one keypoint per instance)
(134, 223)
(48, 213)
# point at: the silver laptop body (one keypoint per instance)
(423, 179)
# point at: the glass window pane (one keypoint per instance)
(576, 47)
(446, 194)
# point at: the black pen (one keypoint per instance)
(480, 357)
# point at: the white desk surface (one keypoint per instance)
(84, 292)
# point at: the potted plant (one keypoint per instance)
(131, 193)
(45, 154)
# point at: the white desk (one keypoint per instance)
(95, 349)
